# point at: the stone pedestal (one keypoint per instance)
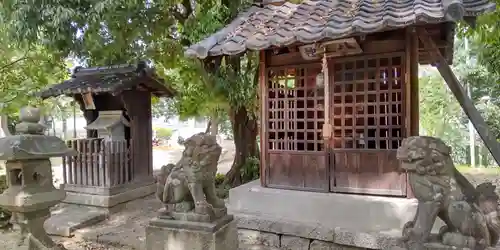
(109, 198)
(164, 234)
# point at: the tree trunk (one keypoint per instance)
(4, 126)
(214, 128)
(209, 125)
(245, 135)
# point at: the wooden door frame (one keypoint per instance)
(405, 66)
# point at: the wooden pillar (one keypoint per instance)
(138, 105)
(411, 93)
(411, 80)
(263, 118)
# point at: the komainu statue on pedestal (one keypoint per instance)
(187, 188)
(471, 214)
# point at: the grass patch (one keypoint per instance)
(466, 169)
(221, 189)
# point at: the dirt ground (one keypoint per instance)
(126, 229)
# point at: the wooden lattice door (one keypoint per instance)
(367, 112)
(294, 118)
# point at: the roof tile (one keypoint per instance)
(108, 79)
(314, 20)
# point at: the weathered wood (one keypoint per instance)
(298, 170)
(411, 94)
(72, 171)
(116, 162)
(131, 159)
(121, 163)
(65, 168)
(412, 98)
(95, 160)
(101, 163)
(263, 118)
(295, 117)
(368, 172)
(138, 105)
(127, 162)
(85, 167)
(79, 170)
(370, 46)
(461, 96)
(368, 118)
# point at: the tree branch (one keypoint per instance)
(4, 67)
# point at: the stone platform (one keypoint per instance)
(108, 197)
(310, 220)
(67, 218)
(85, 206)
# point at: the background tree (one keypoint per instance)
(120, 31)
(24, 69)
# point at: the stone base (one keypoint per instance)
(439, 246)
(164, 234)
(67, 218)
(192, 216)
(85, 206)
(132, 192)
(286, 217)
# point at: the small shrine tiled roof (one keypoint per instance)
(110, 79)
(314, 20)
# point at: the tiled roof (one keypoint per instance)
(108, 79)
(314, 20)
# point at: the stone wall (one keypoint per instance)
(287, 242)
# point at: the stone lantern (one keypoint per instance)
(31, 192)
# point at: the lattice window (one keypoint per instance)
(368, 103)
(295, 109)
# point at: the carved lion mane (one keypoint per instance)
(426, 156)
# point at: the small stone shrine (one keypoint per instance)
(194, 218)
(110, 125)
(470, 214)
(114, 163)
(29, 175)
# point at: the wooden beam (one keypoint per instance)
(461, 95)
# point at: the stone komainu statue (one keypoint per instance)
(471, 215)
(187, 188)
